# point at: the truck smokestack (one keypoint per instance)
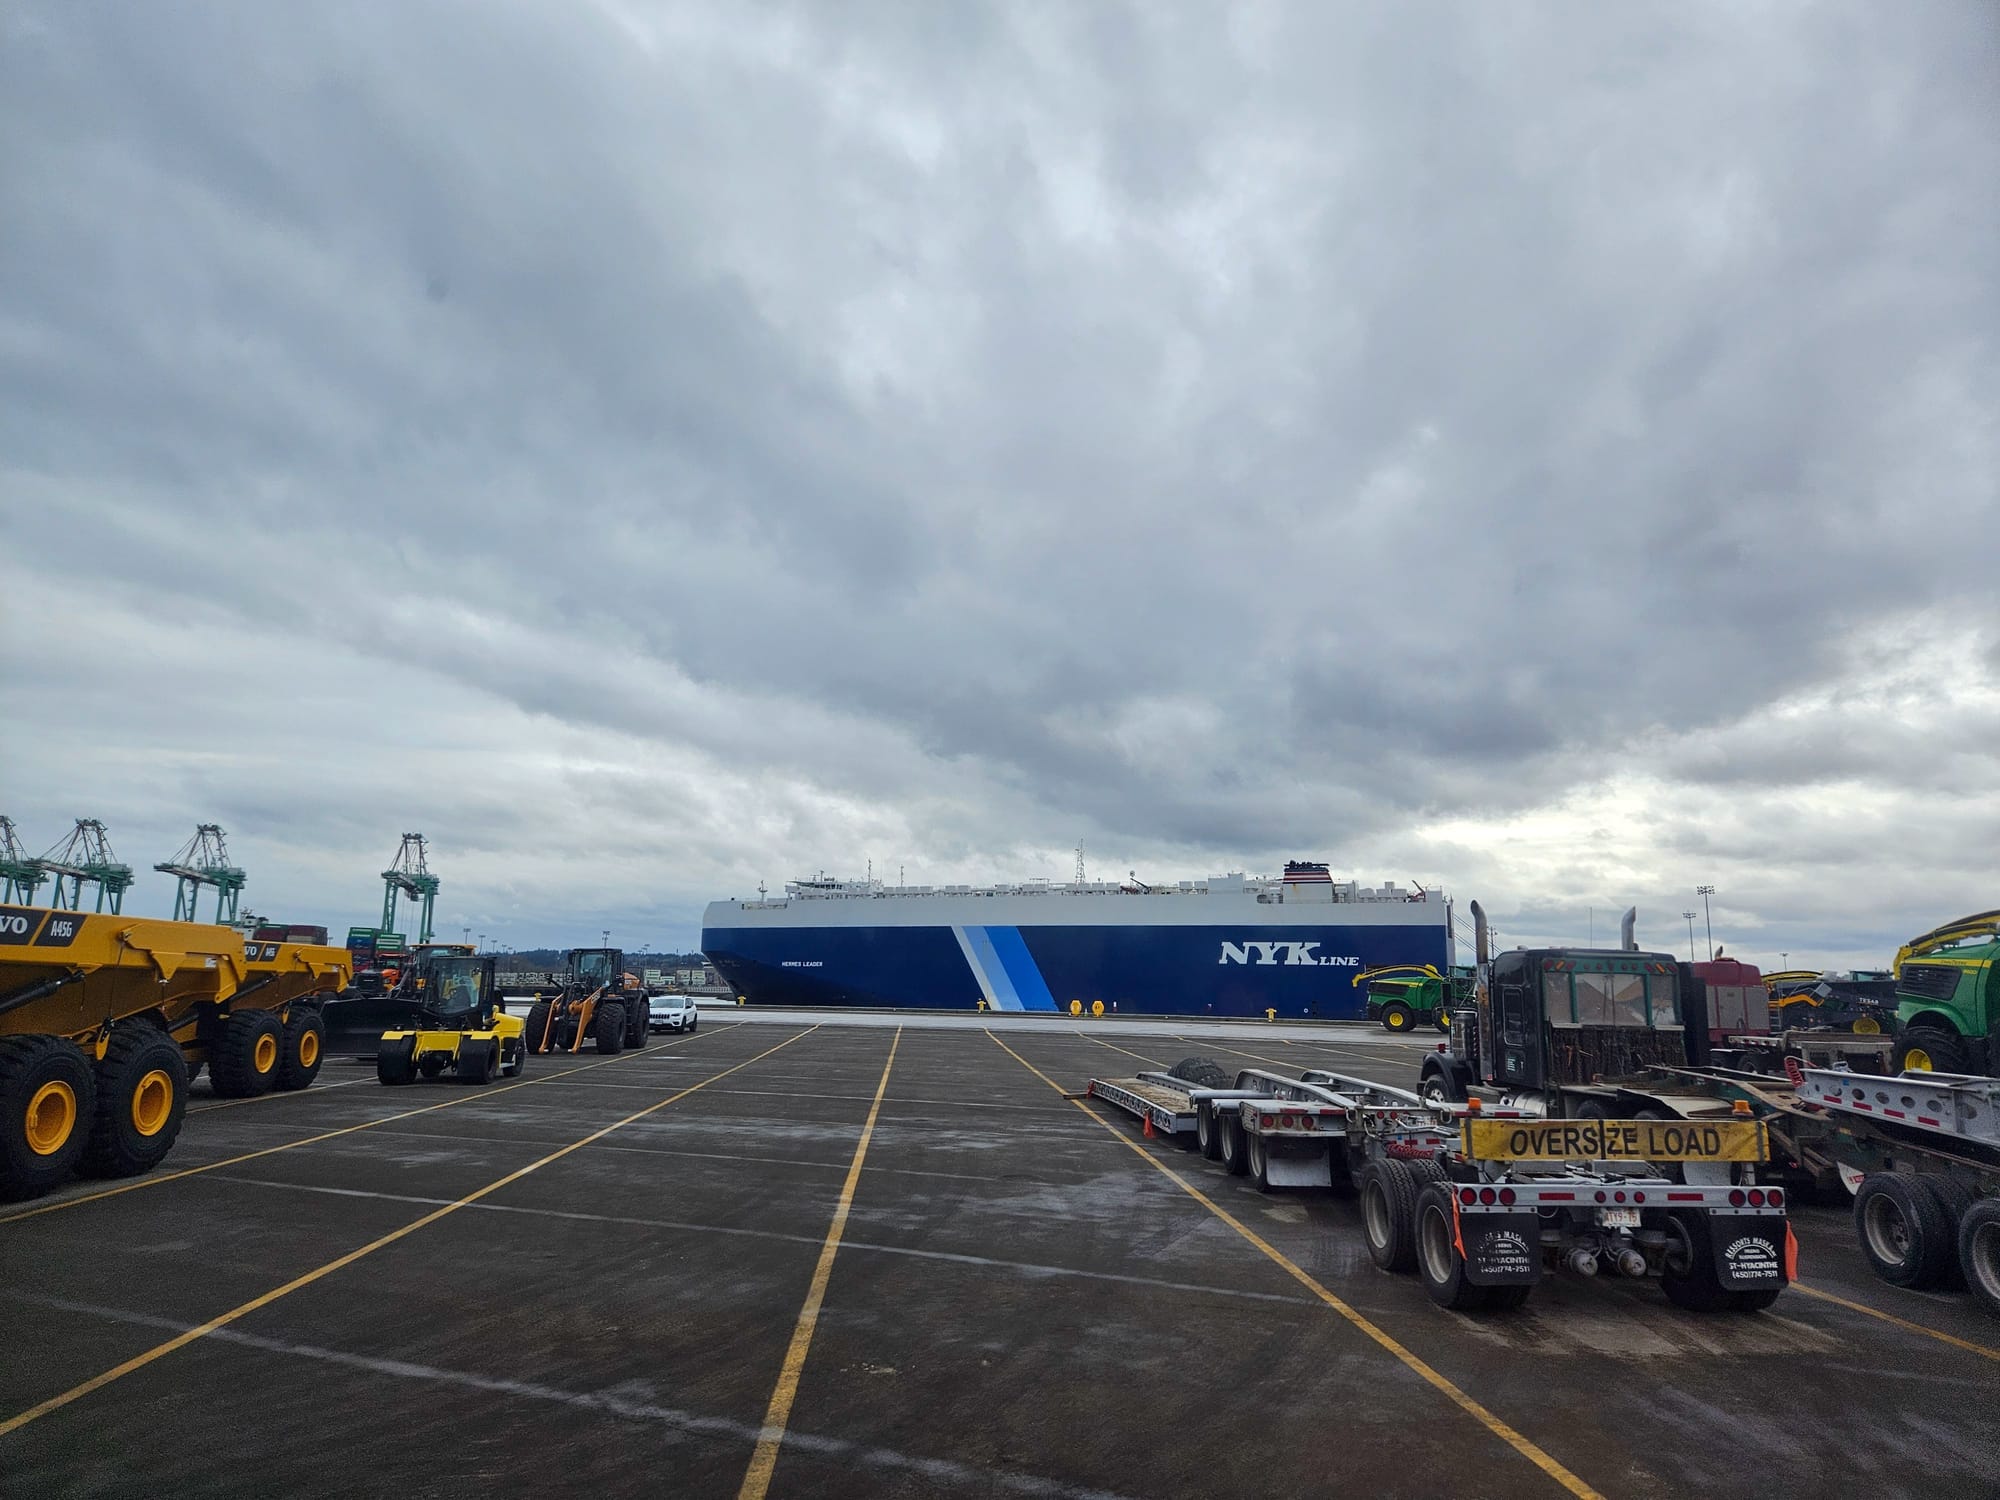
(1482, 949)
(1626, 939)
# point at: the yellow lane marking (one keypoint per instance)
(1126, 1050)
(779, 1413)
(155, 1179)
(1514, 1439)
(313, 1091)
(160, 1351)
(1983, 1350)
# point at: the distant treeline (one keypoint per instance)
(552, 958)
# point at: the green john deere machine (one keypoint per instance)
(1401, 995)
(1948, 998)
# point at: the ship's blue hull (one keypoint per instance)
(1299, 970)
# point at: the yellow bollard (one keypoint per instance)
(982, 1005)
(1097, 1007)
(1076, 1007)
(1271, 1014)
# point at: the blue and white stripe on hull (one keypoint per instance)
(1006, 971)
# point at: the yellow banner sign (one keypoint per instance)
(1616, 1140)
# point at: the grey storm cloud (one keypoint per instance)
(1546, 451)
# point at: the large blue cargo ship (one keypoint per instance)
(1231, 945)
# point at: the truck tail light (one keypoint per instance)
(1776, 1197)
(1736, 1197)
(1467, 1196)
(1756, 1197)
(1507, 1196)
(1488, 1197)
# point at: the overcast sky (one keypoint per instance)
(1545, 452)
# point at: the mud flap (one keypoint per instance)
(1501, 1249)
(1750, 1254)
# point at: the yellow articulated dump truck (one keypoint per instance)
(104, 1018)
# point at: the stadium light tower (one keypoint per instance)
(1705, 891)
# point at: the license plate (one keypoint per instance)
(1618, 1218)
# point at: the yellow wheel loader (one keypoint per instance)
(599, 1002)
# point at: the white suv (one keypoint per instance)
(673, 1013)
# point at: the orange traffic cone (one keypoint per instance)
(1149, 1127)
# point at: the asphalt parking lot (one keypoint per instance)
(795, 1258)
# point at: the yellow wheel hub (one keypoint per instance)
(152, 1102)
(1396, 1021)
(266, 1055)
(1867, 1026)
(308, 1048)
(51, 1117)
(1916, 1060)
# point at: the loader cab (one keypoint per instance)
(1554, 1016)
(596, 968)
(458, 986)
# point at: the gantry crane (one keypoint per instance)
(410, 876)
(85, 857)
(20, 876)
(204, 860)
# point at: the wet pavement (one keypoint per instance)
(601, 1280)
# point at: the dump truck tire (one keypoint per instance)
(1689, 1277)
(1202, 1072)
(1439, 1265)
(396, 1062)
(244, 1060)
(477, 1061)
(538, 1025)
(1902, 1230)
(1388, 1214)
(48, 1095)
(609, 1028)
(1979, 1252)
(304, 1048)
(141, 1096)
(1929, 1049)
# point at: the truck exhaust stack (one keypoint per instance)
(1482, 949)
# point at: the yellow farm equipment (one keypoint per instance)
(104, 1018)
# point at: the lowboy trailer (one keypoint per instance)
(1481, 1204)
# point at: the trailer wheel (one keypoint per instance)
(477, 1061)
(608, 1030)
(47, 1095)
(1396, 1017)
(1688, 1275)
(304, 1048)
(1931, 1049)
(1954, 1199)
(141, 1093)
(535, 1038)
(1388, 1214)
(244, 1060)
(1257, 1156)
(1439, 1265)
(1979, 1251)
(1233, 1154)
(1902, 1230)
(1207, 1135)
(396, 1061)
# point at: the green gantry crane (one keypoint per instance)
(204, 860)
(410, 876)
(20, 876)
(85, 858)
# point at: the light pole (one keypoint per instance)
(1705, 891)
(1784, 959)
(1690, 916)
(482, 943)
(607, 936)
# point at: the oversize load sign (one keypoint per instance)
(1616, 1140)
